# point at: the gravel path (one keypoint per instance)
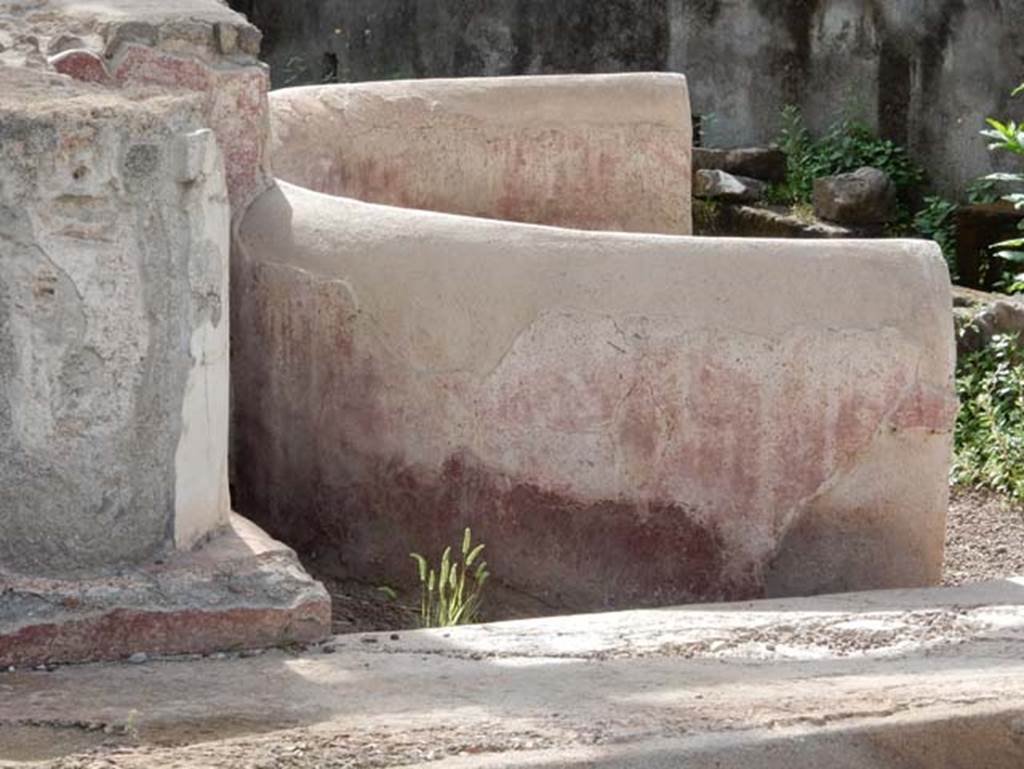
(984, 538)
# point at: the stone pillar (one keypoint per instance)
(123, 154)
(113, 327)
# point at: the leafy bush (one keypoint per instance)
(935, 221)
(982, 191)
(845, 146)
(452, 594)
(1008, 137)
(990, 427)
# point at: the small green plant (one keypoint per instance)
(388, 592)
(846, 146)
(451, 594)
(989, 434)
(803, 213)
(705, 216)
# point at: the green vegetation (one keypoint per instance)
(1008, 137)
(705, 216)
(451, 594)
(388, 592)
(846, 146)
(803, 212)
(1001, 266)
(982, 191)
(935, 221)
(990, 426)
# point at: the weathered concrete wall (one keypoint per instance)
(317, 41)
(113, 325)
(608, 152)
(129, 130)
(114, 256)
(926, 72)
(619, 417)
(188, 46)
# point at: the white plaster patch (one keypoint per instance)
(202, 499)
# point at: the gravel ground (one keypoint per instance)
(360, 608)
(984, 538)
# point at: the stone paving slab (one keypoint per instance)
(908, 678)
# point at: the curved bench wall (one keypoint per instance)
(603, 152)
(619, 417)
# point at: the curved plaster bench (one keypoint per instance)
(608, 152)
(622, 418)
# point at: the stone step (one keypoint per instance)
(901, 678)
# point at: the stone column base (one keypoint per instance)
(240, 590)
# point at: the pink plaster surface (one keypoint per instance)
(619, 417)
(604, 152)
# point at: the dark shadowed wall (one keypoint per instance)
(925, 72)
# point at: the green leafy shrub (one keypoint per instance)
(982, 191)
(1008, 137)
(846, 146)
(935, 221)
(451, 594)
(989, 433)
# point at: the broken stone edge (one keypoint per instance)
(240, 590)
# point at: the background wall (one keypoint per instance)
(925, 72)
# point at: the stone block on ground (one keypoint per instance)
(122, 151)
(765, 163)
(740, 220)
(719, 185)
(865, 196)
(979, 316)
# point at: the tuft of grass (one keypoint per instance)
(803, 213)
(452, 593)
(388, 592)
(705, 216)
